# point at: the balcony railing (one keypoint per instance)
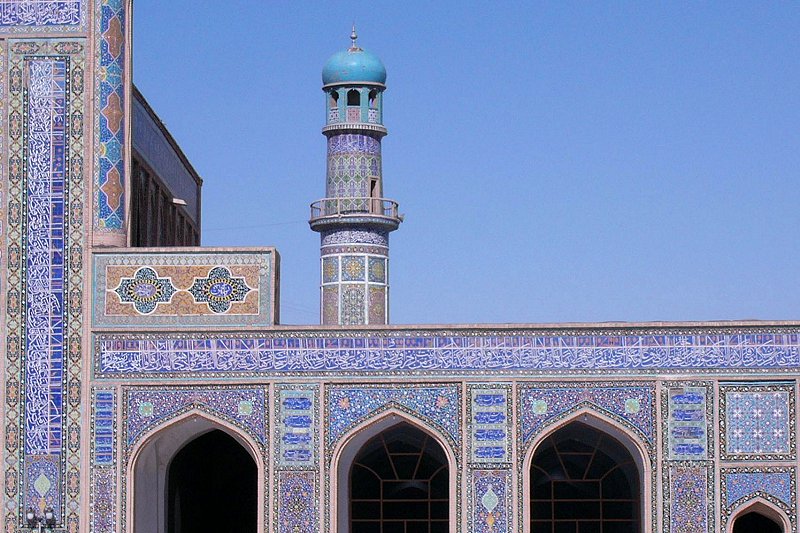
(332, 207)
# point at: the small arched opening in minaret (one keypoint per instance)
(334, 99)
(195, 474)
(582, 478)
(353, 98)
(373, 99)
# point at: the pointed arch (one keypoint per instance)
(150, 458)
(629, 439)
(348, 446)
(762, 506)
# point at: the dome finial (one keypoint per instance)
(354, 38)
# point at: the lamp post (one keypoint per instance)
(44, 523)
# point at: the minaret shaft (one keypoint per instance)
(354, 219)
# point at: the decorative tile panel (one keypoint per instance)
(544, 404)
(687, 431)
(296, 434)
(110, 106)
(56, 16)
(688, 497)
(776, 485)
(348, 406)
(297, 502)
(147, 408)
(491, 501)
(44, 275)
(103, 474)
(449, 352)
(757, 422)
(489, 422)
(185, 287)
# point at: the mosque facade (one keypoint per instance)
(149, 387)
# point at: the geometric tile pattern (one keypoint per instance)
(297, 437)
(147, 407)
(488, 420)
(145, 290)
(449, 352)
(297, 502)
(490, 497)
(45, 239)
(757, 422)
(687, 431)
(186, 288)
(109, 194)
(103, 477)
(632, 405)
(347, 406)
(687, 500)
(219, 289)
(741, 485)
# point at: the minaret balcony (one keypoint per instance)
(329, 212)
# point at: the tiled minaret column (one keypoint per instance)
(354, 220)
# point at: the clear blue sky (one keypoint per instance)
(592, 161)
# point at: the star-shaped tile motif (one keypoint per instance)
(219, 289)
(145, 290)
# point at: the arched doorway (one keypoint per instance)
(584, 480)
(399, 482)
(161, 471)
(753, 521)
(212, 486)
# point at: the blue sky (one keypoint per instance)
(555, 162)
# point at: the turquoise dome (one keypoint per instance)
(353, 65)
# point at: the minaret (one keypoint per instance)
(354, 219)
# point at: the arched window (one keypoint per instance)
(353, 98)
(582, 479)
(187, 462)
(373, 98)
(399, 482)
(755, 522)
(212, 486)
(334, 99)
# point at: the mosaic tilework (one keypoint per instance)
(757, 422)
(297, 497)
(777, 485)
(103, 497)
(347, 236)
(296, 435)
(377, 304)
(490, 499)
(61, 16)
(687, 434)
(184, 288)
(450, 352)
(44, 275)
(740, 485)
(147, 408)
(688, 496)
(353, 304)
(109, 194)
(634, 406)
(488, 418)
(348, 406)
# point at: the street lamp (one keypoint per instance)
(42, 523)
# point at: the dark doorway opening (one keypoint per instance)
(755, 522)
(399, 483)
(584, 481)
(212, 487)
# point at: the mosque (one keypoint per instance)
(148, 386)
